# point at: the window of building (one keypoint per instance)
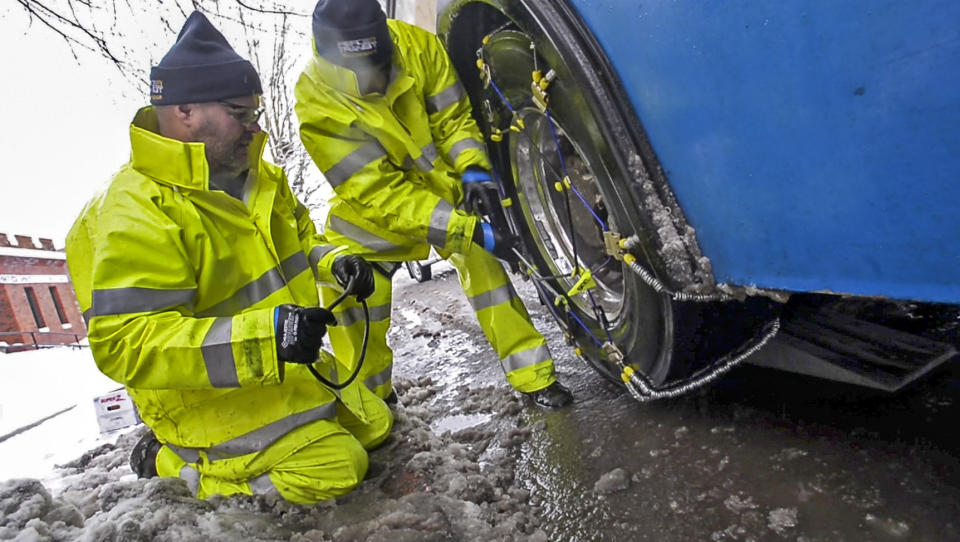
(35, 307)
(58, 304)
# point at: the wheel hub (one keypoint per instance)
(543, 159)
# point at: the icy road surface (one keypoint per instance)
(759, 456)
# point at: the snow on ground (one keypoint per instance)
(42, 383)
(448, 471)
(438, 477)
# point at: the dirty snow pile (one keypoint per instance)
(423, 485)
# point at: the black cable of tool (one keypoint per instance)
(363, 348)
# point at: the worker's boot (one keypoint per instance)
(143, 458)
(555, 395)
(392, 398)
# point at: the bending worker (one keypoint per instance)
(196, 270)
(386, 120)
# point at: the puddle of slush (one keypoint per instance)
(459, 422)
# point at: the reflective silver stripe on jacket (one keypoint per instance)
(190, 455)
(191, 476)
(258, 439)
(218, 355)
(355, 314)
(132, 300)
(447, 97)
(334, 376)
(462, 145)
(427, 155)
(263, 485)
(380, 378)
(258, 290)
(493, 297)
(430, 151)
(439, 221)
(361, 236)
(526, 358)
(294, 265)
(300, 211)
(353, 162)
(425, 162)
(317, 253)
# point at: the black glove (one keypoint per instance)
(496, 242)
(300, 332)
(348, 267)
(480, 193)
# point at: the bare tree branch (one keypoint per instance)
(118, 31)
(274, 11)
(50, 17)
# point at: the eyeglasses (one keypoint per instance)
(247, 115)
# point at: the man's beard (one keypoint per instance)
(224, 157)
(229, 159)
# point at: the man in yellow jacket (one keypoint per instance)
(197, 272)
(386, 120)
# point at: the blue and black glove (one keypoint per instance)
(480, 193)
(481, 197)
(495, 242)
(300, 332)
(349, 267)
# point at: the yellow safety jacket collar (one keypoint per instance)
(172, 162)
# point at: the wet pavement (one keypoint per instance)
(759, 455)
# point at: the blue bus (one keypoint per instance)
(698, 184)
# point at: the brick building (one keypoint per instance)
(37, 302)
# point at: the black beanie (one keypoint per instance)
(348, 32)
(201, 67)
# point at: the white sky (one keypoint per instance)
(65, 128)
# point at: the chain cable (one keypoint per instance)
(637, 384)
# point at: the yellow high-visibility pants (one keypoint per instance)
(325, 467)
(522, 350)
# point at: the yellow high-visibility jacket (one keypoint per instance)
(394, 160)
(178, 283)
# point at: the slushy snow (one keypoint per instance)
(424, 484)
